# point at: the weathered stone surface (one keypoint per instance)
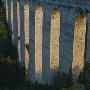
(68, 10)
(66, 40)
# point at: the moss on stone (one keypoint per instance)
(80, 12)
(87, 75)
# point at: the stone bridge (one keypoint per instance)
(58, 39)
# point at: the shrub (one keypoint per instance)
(62, 81)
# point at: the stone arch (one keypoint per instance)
(54, 42)
(26, 31)
(79, 46)
(38, 42)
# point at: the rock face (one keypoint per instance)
(54, 38)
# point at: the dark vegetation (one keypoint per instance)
(8, 67)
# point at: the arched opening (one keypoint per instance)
(18, 16)
(54, 42)
(26, 30)
(6, 10)
(38, 42)
(79, 46)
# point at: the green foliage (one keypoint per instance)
(8, 72)
(62, 80)
(87, 74)
(84, 77)
(75, 86)
(80, 12)
(81, 78)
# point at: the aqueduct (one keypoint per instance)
(55, 37)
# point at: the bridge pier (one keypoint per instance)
(15, 27)
(22, 34)
(87, 55)
(9, 16)
(66, 40)
(88, 39)
(46, 28)
(4, 2)
(31, 67)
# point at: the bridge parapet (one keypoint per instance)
(84, 5)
